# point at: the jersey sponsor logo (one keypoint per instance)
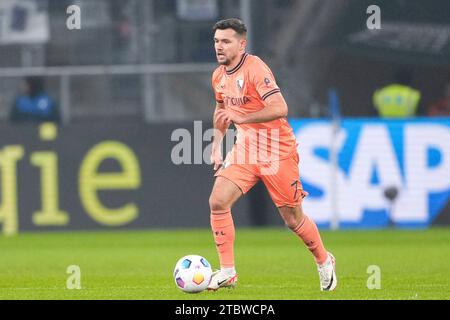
(236, 102)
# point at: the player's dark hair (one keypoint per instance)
(233, 23)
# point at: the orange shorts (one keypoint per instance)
(281, 178)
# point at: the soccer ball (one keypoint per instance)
(192, 273)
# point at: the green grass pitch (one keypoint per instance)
(272, 264)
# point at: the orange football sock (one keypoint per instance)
(308, 232)
(223, 230)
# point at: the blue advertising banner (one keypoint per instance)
(386, 173)
(364, 173)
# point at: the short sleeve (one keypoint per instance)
(263, 80)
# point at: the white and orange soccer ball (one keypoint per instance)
(192, 273)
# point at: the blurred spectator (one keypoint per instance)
(441, 107)
(398, 99)
(34, 104)
(122, 39)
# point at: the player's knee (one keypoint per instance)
(291, 222)
(292, 216)
(217, 203)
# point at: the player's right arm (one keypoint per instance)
(220, 129)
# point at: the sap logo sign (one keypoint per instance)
(413, 156)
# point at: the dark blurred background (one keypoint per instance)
(311, 45)
(139, 70)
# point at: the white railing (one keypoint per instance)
(147, 71)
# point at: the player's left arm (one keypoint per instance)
(275, 107)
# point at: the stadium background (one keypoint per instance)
(138, 71)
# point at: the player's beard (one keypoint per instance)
(227, 61)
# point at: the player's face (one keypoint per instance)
(229, 46)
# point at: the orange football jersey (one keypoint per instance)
(244, 90)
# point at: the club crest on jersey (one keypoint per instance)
(240, 84)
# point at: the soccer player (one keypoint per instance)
(247, 95)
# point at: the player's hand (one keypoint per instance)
(220, 119)
(228, 116)
(216, 158)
